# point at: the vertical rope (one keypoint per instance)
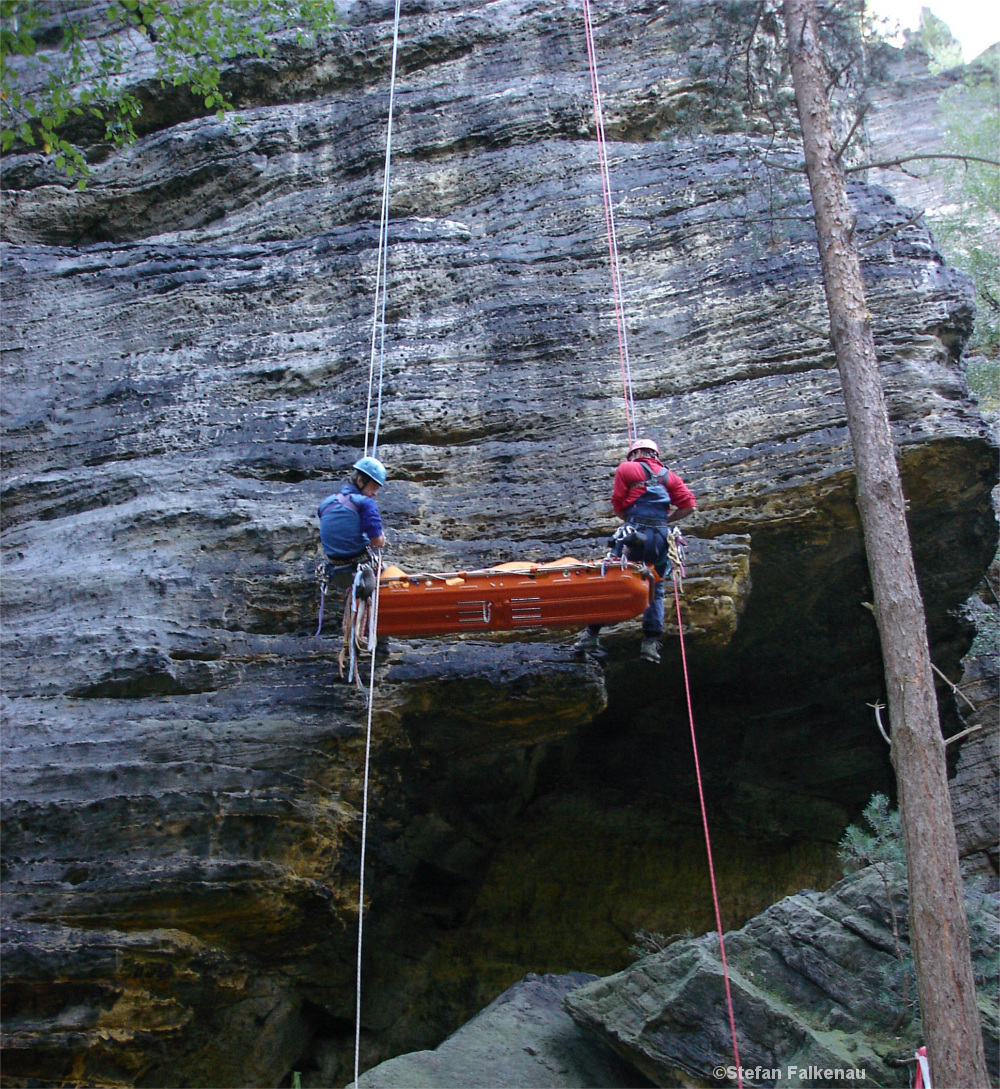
(708, 840)
(381, 278)
(382, 263)
(372, 644)
(609, 220)
(381, 350)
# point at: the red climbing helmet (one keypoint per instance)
(641, 445)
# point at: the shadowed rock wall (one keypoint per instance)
(185, 349)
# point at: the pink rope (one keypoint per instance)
(626, 369)
(708, 841)
(609, 220)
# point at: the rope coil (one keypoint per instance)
(676, 550)
(359, 623)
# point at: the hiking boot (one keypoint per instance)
(650, 651)
(589, 642)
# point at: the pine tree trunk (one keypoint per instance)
(938, 927)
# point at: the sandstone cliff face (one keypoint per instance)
(185, 377)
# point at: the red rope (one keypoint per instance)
(626, 369)
(609, 221)
(708, 841)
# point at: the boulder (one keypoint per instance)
(524, 1037)
(820, 983)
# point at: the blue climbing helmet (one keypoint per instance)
(373, 468)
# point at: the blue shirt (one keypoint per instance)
(346, 528)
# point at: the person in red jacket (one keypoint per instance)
(648, 497)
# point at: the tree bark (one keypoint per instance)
(938, 927)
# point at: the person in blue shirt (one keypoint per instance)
(349, 526)
(349, 520)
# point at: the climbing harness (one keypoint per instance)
(324, 572)
(622, 538)
(658, 547)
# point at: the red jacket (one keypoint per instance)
(630, 483)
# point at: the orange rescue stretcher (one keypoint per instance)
(566, 593)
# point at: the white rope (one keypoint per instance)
(381, 277)
(372, 644)
(382, 263)
(609, 214)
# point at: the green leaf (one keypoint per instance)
(190, 39)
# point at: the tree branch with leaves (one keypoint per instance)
(58, 73)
